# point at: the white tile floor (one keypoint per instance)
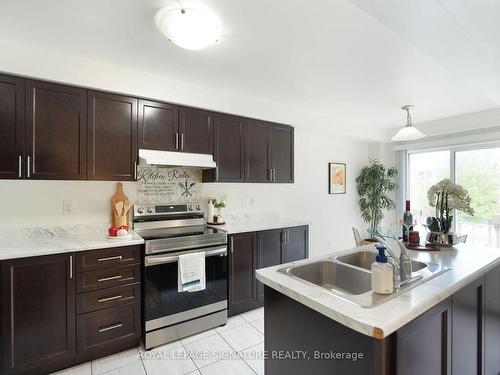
(234, 349)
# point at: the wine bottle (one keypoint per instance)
(407, 222)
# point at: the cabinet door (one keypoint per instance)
(257, 151)
(468, 330)
(112, 146)
(56, 131)
(492, 322)
(296, 244)
(242, 285)
(158, 126)
(38, 312)
(282, 153)
(12, 127)
(195, 128)
(228, 150)
(423, 346)
(268, 254)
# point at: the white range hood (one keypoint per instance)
(175, 159)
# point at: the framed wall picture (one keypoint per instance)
(336, 178)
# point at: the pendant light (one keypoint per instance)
(409, 132)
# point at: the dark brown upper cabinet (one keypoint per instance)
(196, 131)
(112, 137)
(158, 126)
(38, 313)
(56, 125)
(228, 150)
(258, 151)
(12, 105)
(282, 163)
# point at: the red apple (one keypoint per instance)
(112, 231)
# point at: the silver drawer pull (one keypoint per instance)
(109, 328)
(118, 257)
(110, 278)
(106, 299)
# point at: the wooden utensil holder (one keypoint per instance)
(120, 220)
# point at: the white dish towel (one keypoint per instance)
(191, 272)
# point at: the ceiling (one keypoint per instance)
(355, 62)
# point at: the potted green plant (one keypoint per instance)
(372, 185)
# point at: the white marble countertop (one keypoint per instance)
(35, 241)
(467, 263)
(258, 223)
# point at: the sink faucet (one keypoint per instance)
(402, 265)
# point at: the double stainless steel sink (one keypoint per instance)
(349, 277)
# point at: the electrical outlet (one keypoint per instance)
(252, 201)
(243, 203)
(68, 207)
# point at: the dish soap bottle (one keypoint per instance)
(382, 273)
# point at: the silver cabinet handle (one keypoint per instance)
(71, 266)
(217, 173)
(270, 175)
(182, 141)
(109, 328)
(154, 260)
(28, 167)
(110, 278)
(20, 161)
(176, 141)
(232, 244)
(118, 257)
(287, 235)
(106, 299)
(274, 174)
(135, 170)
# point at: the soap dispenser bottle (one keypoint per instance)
(382, 273)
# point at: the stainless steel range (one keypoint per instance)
(171, 230)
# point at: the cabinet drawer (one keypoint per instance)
(116, 276)
(108, 327)
(99, 259)
(105, 298)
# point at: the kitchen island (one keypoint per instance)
(449, 324)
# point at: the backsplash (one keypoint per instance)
(170, 185)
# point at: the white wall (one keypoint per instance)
(40, 202)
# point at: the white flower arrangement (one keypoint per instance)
(446, 197)
(218, 202)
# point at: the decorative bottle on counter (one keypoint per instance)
(407, 222)
(210, 211)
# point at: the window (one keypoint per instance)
(477, 170)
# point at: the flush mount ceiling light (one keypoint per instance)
(189, 28)
(409, 132)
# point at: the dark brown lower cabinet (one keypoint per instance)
(47, 326)
(268, 254)
(296, 244)
(423, 346)
(468, 329)
(492, 322)
(242, 263)
(38, 313)
(254, 250)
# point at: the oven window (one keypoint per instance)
(163, 299)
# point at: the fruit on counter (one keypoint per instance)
(122, 232)
(112, 231)
(124, 227)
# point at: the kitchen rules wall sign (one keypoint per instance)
(171, 185)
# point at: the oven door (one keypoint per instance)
(164, 305)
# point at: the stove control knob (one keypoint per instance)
(190, 208)
(139, 210)
(198, 207)
(149, 210)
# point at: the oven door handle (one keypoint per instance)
(154, 260)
